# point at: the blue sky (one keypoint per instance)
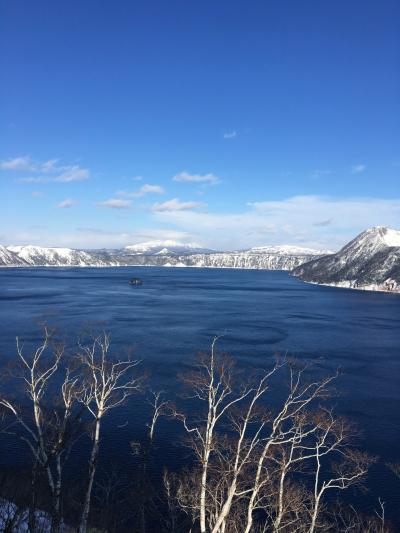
(229, 123)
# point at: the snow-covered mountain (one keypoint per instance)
(163, 248)
(9, 258)
(246, 259)
(41, 256)
(287, 250)
(171, 253)
(161, 253)
(371, 261)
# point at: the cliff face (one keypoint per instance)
(227, 260)
(269, 258)
(10, 258)
(42, 256)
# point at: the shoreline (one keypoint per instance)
(347, 285)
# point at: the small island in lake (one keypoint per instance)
(135, 281)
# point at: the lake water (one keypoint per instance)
(176, 312)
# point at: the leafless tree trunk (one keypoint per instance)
(108, 383)
(47, 433)
(283, 428)
(211, 383)
(250, 458)
(159, 408)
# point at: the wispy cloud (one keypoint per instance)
(357, 169)
(176, 205)
(320, 173)
(115, 203)
(66, 204)
(145, 189)
(49, 171)
(73, 173)
(49, 166)
(230, 134)
(36, 194)
(295, 220)
(323, 223)
(17, 163)
(33, 179)
(210, 179)
(93, 237)
(312, 221)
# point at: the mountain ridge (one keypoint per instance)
(370, 261)
(161, 253)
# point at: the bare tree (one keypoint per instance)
(212, 384)
(107, 385)
(349, 520)
(159, 408)
(250, 458)
(332, 440)
(283, 428)
(49, 426)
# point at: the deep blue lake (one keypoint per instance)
(177, 311)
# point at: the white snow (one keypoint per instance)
(9, 258)
(389, 285)
(163, 247)
(368, 262)
(287, 249)
(391, 237)
(10, 513)
(26, 252)
(42, 256)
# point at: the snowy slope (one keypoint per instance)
(287, 250)
(41, 256)
(370, 261)
(265, 261)
(163, 248)
(161, 253)
(9, 258)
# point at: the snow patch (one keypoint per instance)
(288, 250)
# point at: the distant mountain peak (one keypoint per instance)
(164, 247)
(287, 249)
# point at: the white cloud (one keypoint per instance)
(150, 189)
(314, 221)
(53, 172)
(73, 173)
(357, 169)
(49, 166)
(230, 134)
(144, 189)
(17, 163)
(96, 237)
(115, 203)
(176, 205)
(210, 179)
(65, 204)
(295, 220)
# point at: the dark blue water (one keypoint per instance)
(176, 312)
